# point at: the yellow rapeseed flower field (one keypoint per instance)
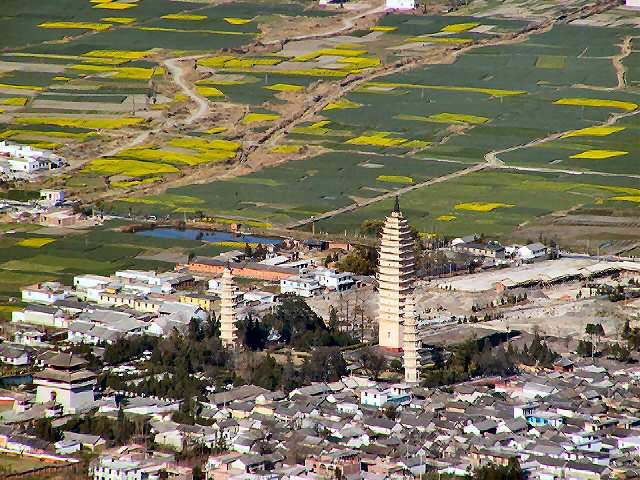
(394, 179)
(460, 27)
(35, 242)
(286, 149)
(599, 154)
(77, 25)
(593, 132)
(487, 91)
(209, 91)
(114, 5)
(378, 139)
(131, 168)
(342, 105)
(446, 218)
(127, 54)
(260, 117)
(594, 102)
(92, 123)
(482, 206)
(123, 20)
(285, 87)
(627, 198)
(134, 183)
(15, 101)
(21, 87)
(201, 144)
(446, 117)
(184, 16)
(237, 21)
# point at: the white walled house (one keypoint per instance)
(532, 252)
(43, 315)
(25, 160)
(333, 280)
(52, 197)
(303, 286)
(90, 281)
(633, 3)
(400, 4)
(373, 398)
(47, 293)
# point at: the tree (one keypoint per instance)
(196, 472)
(268, 374)
(584, 349)
(626, 329)
(290, 377)
(371, 227)
(362, 261)
(391, 412)
(300, 326)
(255, 334)
(326, 364)
(333, 318)
(372, 361)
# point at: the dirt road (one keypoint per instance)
(178, 68)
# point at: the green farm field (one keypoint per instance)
(295, 190)
(444, 208)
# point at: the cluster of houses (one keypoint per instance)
(572, 422)
(297, 276)
(51, 210)
(98, 310)
(492, 250)
(25, 162)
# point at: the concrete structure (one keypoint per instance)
(60, 218)
(532, 252)
(65, 382)
(400, 4)
(305, 286)
(239, 269)
(411, 342)
(332, 279)
(47, 293)
(396, 276)
(52, 197)
(25, 160)
(228, 310)
(490, 249)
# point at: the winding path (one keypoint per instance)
(178, 69)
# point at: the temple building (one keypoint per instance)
(64, 382)
(228, 309)
(410, 355)
(396, 276)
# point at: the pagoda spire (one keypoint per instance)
(396, 271)
(228, 309)
(411, 357)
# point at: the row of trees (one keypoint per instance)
(476, 358)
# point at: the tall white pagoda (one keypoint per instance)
(396, 276)
(228, 309)
(410, 356)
